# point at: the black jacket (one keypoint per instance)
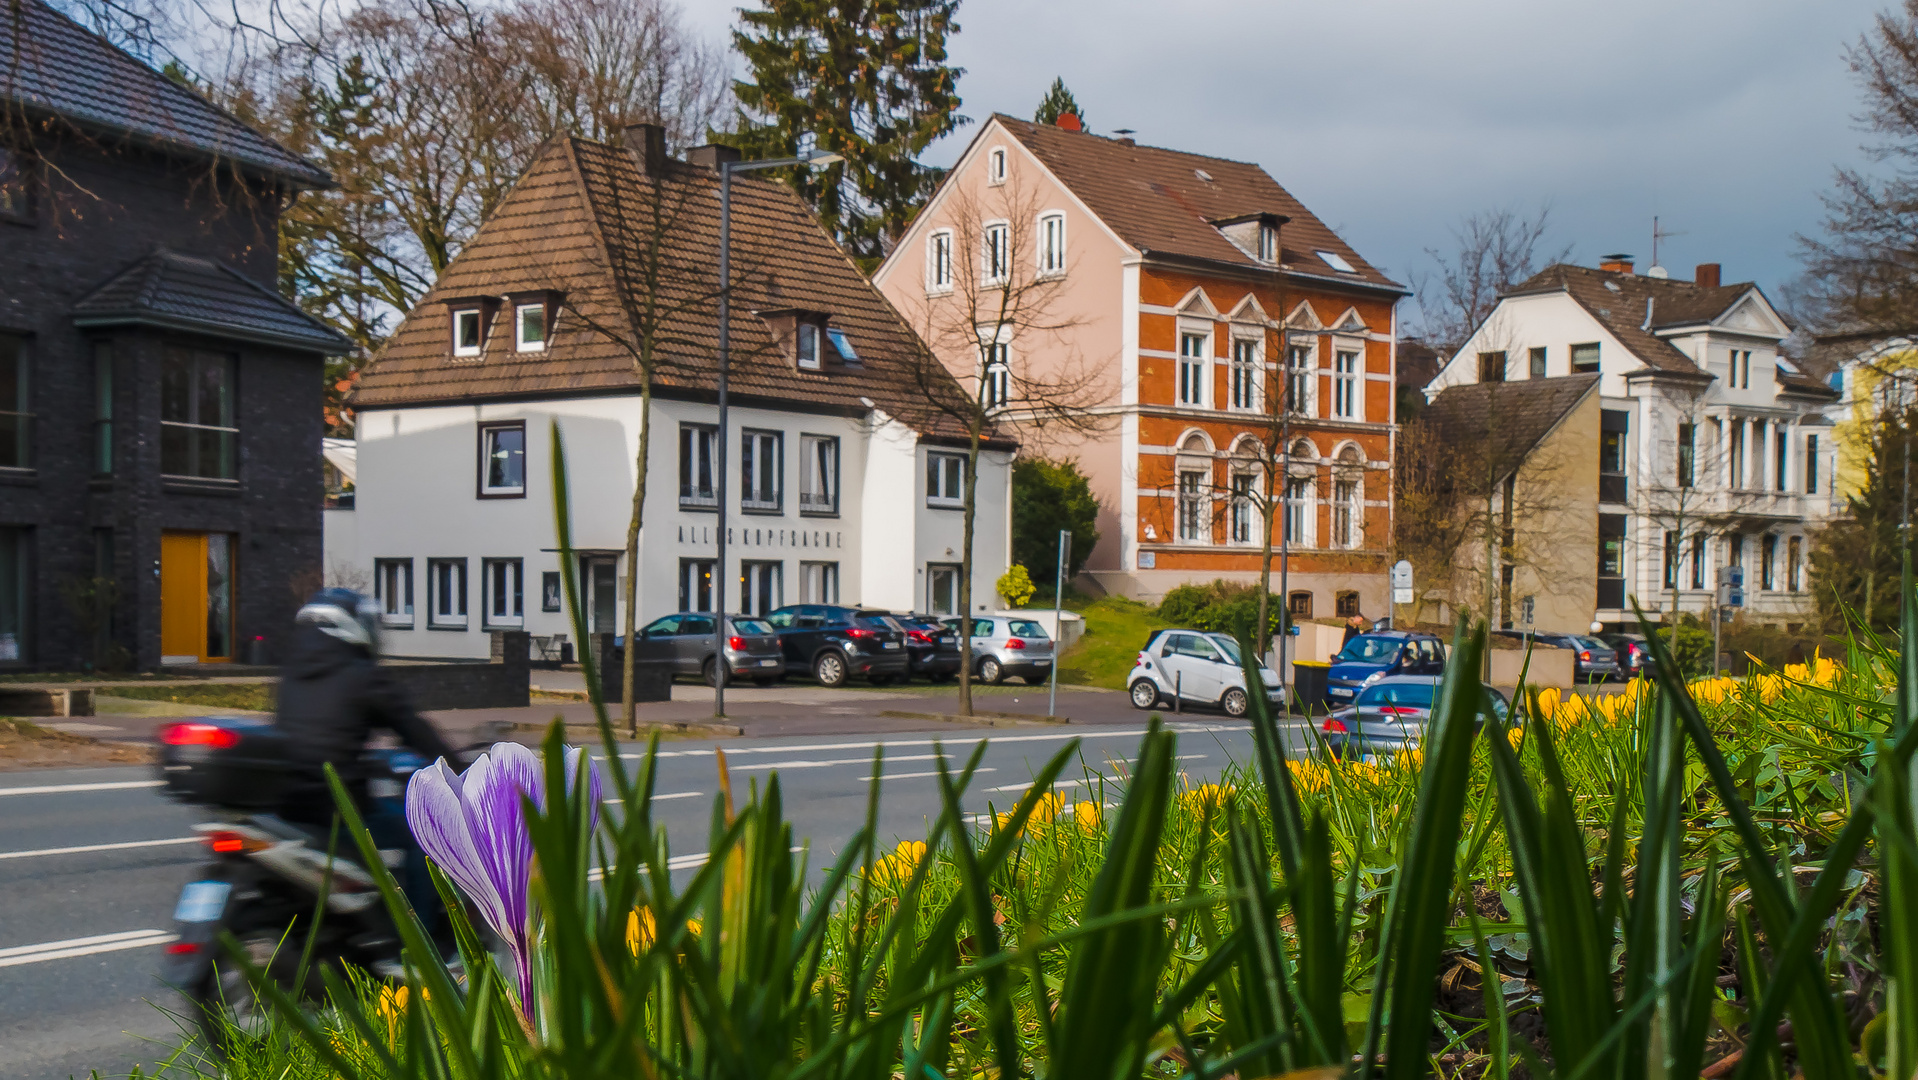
(332, 697)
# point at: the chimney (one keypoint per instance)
(647, 144)
(1616, 264)
(1125, 136)
(1068, 121)
(1706, 275)
(712, 155)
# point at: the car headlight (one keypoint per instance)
(1372, 678)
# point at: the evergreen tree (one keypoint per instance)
(1048, 496)
(1855, 559)
(868, 79)
(1058, 100)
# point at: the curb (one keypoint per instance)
(983, 719)
(669, 727)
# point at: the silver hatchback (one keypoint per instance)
(685, 640)
(1003, 647)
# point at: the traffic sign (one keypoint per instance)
(1402, 576)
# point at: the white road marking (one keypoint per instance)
(85, 946)
(677, 862)
(828, 762)
(918, 775)
(49, 789)
(100, 847)
(660, 798)
(1055, 783)
(1122, 733)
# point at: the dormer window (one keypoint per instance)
(1268, 243)
(529, 323)
(466, 331)
(996, 165)
(806, 347)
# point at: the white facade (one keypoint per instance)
(1762, 456)
(421, 509)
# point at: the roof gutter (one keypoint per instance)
(338, 346)
(1259, 273)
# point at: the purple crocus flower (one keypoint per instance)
(473, 826)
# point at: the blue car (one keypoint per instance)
(1370, 657)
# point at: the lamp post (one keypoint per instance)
(726, 171)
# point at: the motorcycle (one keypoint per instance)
(266, 875)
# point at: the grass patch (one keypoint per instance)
(1116, 628)
(257, 697)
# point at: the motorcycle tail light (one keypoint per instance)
(212, 735)
(736, 644)
(1335, 727)
(182, 948)
(1015, 643)
(227, 842)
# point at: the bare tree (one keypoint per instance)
(997, 353)
(1495, 250)
(1700, 487)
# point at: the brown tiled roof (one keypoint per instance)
(50, 65)
(1156, 201)
(1508, 419)
(578, 223)
(1622, 300)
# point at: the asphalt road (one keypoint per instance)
(92, 861)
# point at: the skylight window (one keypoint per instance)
(1203, 175)
(844, 344)
(1337, 262)
(1613, 285)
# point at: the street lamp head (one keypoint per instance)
(818, 157)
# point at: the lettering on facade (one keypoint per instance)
(765, 538)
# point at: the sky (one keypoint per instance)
(1392, 119)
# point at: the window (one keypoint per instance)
(939, 261)
(1737, 456)
(1244, 508)
(1794, 557)
(995, 384)
(1781, 457)
(819, 583)
(1611, 452)
(996, 165)
(549, 591)
(1298, 503)
(1345, 385)
(761, 466)
(102, 409)
(842, 345)
(806, 346)
(1345, 513)
(1298, 604)
(762, 588)
(502, 460)
(1052, 244)
(393, 589)
(995, 257)
(16, 404)
(1299, 378)
(1811, 465)
(698, 468)
(16, 190)
(1345, 603)
(1491, 367)
(1337, 262)
(503, 605)
(446, 594)
(1191, 506)
(1244, 389)
(1536, 369)
(1192, 356)
(529, 322)
(466, 332)
(1672, 554)
(1268, 244)
(1611, 547)
(1698, 560)
(696, 584)
(16, 595)
(942, 588)
(1687, 454)
(818, 474)
(945, 480)
(1585, 358)
(1741, 369)
(1767, 559)
(197, 436)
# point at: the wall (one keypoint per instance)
(504, 683)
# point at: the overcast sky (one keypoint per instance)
(1393, 118)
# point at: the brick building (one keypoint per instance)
(159, 400)
(1223, 331)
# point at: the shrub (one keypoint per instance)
(1221, 606)
(1048, 496)
(1015, 585)
(1183, 605)
(1692, 648)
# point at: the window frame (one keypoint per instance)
(1242, 379)
(939, 262)
(1300, 509)
(1267, 244)
(1348, 385)
(1685, 459)
(1195, 368)
(995, 253)
(995, 368)
(752, 444)
(1192, 525)
(1586, 367)
(1302, 377)
(702, 436)
(1348, 512)
(1811, 464)
(1491, 363)
(806, 332)
(103, 444)
(453, 620)
(996, 166)
(1051, 254)
(231, 363)
(520, 341)
(395, 611)
(23, 415)
(821, 576)
(1244, 521)
(1535, 362)
(689, 591)
(938, 463)
(809, 504)
(488, 430)
(478, 312)
(754, 572)
(489, 595)
(1794, 563)
(552, 591)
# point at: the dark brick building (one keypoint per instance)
(160, 414)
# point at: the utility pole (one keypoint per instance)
(1058, 619)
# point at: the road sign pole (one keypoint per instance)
(1058, 620)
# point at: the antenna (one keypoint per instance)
(1657, 235)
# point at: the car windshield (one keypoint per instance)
(1229, 647)
(1025, 628)
(874, 622)
(1369, 650)
(1594, 643)
(751, 626)
(1416, 695)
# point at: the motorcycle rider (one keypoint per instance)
(333, 695)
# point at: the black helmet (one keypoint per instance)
(350, 616)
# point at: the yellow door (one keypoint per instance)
(182, 597)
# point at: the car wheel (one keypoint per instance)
(1145, 694)
(711, 672)
(990, 671)
(830, 669)
(1234, 702)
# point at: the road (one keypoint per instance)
(92, 860)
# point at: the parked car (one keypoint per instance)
(1634, 654)
(1003, 647)
(686, 639)
(1368, 658)
(1390, 715)
(832, 643)
(1195, 666)
(1592, 659)
(932, 648)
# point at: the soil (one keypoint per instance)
(25, 745)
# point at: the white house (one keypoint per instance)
(1713, 448)
(842, 484)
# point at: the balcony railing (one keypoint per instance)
(816, 502)
(698, 497)
(1612, 488)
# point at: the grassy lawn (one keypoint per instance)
(257, 697)
(1116, 628)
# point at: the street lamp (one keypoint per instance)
(726, 171)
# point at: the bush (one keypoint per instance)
(1693, 647)
(1015, 585)
(1048, 496)
(1221, 607)
(1184, 605)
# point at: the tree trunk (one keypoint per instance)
(1265, 577)
(965, 575)
(629, 708)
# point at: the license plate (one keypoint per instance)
(948, 641)
(892, 644)
(769, 663)
(202, 901)
(1336, 692)
(1042, 663)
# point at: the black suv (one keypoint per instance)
(932, 648)
(833, 643)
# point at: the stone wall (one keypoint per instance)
(502, 683)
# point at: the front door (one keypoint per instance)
(600, 578)
(196, 598)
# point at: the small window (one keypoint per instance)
(1052, 244)
(996, 165)
(446, 594)
(945, 480)
(806, 347)
(393, 590)
(995, 258)
(102, 409)
(762, 587)
(1345, 603)
(466, 332)
(549, 591)
(696, 586)
(819, 583)
(1268, 244)
(1337, 262)
(504, 605)
(1193, 349)
(939, 261)
(1811, 467)
(1687, 454)
(16, 409)
(1585, 358)
(1491, 367)
(995, 383)
(761, 465)
(1537, 368)
(818, 475)
(842, 345)
(503, 460)
(1299, 605)
(529, 321)
(698, 466)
